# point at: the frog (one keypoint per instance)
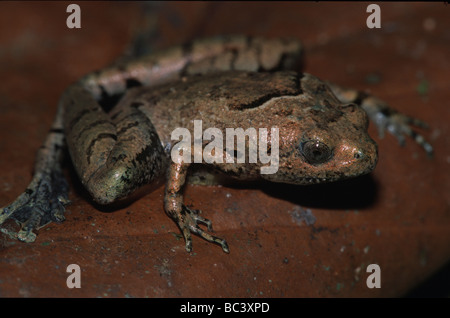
(117, 125)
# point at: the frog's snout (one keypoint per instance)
(361, 159)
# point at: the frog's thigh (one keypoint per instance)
(112, 156)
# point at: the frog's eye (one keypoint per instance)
(315, 152)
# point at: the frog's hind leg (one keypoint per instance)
(112, 159)
(384, 117)
(45, 197)
(113, 154)
(188, 220)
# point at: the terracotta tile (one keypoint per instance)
(285, 241)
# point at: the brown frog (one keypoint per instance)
(318, 131)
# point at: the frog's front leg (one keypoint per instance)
(385, 117)
(187, 219)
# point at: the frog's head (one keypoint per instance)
(324, 141)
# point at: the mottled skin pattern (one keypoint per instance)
(227, 82)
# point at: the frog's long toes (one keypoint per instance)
(42, 202)
(64, 200)
(187, 239)
(414, 121)
(191, 225)
(399, 125)
(198, 219)
(421, 141)
(224, 245)
(401, 131)
(27, 235)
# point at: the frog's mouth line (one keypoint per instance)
(317, 180)
(310, 180)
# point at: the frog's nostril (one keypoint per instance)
(358, 154)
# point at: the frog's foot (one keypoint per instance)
(398, 124)
(41, 203)
(189, 221)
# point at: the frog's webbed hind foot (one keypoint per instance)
(45, 197)
(42, 202)
(189, 221)
(398, 124)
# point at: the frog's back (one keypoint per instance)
(225, 100)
